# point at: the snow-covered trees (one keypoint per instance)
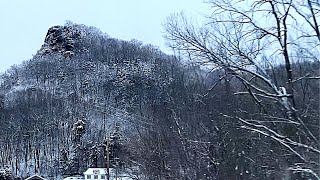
(116, 148)
(76, 154)
(78, 130)
(237, 40)
(6, 173)
(172, 126)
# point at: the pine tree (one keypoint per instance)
(78, 131)
(115, 147)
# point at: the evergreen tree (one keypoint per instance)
(115, 147)
(78, 131)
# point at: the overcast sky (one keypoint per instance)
(24, 23)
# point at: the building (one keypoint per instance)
(74, 178)
(96, 174)
(35, 177)
(102, 173)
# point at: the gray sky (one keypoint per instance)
(24, 23)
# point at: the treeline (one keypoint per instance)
(174, 120)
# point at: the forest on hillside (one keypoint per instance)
(238, 99)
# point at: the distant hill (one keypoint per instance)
(160, 117)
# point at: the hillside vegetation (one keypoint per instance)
(161, 117)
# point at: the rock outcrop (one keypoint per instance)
(61, 39)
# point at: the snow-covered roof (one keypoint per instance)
(35, 177)
(74, 178)
(99, 171)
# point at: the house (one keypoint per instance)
(96, 174)
(74, 178)
(35, 177)
(102, 173)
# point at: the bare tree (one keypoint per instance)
(242, 37)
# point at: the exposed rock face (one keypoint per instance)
(61, 39)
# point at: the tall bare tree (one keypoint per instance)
(246, 39)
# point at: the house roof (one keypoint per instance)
(91, 171)
(74, 178)
(35, 177)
